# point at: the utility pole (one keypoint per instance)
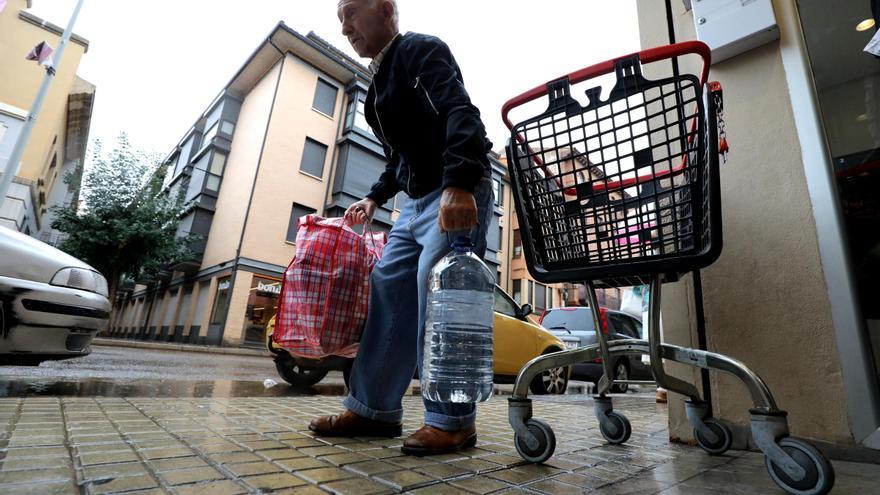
(18, 150)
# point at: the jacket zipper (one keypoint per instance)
(430, 102)
(385, 140)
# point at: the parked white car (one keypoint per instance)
(51, 304)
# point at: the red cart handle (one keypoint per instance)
(646, 57)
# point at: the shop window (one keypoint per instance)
(517, 291)
(325, 97)
(221, 301)
(532, 293)
(314, 154)
(261, 307)
(296, 212)
(540, 297)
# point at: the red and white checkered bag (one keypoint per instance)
(326, 288)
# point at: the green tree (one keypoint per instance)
(126, 226)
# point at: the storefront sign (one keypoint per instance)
(274, 288)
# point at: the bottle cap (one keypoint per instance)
(462, 243)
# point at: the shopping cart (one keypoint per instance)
(624, 191)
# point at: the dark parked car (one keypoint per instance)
(574, 326)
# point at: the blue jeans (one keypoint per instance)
(391, 346)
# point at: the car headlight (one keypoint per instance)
(80, 278)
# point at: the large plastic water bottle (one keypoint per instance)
(457, 359)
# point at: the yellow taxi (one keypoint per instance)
(517, 341)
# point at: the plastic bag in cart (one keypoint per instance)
(326, 287)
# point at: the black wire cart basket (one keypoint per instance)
(625, 190)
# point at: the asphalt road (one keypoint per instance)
(129, 372)
(132, 372)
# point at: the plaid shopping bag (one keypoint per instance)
(325, 290)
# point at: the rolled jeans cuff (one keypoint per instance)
(450, 423)
(361, 409)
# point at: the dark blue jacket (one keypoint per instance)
(432, 133)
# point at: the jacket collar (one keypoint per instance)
(377, 60)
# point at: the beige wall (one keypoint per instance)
(233, 333)
(20, 80)
(765, 299)
(239, 174)
(281, 183)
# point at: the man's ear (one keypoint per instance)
(387, 10)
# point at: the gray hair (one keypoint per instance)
(396, 17)
(375, 3)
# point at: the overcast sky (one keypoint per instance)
(158, 64)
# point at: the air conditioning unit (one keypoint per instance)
(732, 27)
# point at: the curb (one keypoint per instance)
(159, 346)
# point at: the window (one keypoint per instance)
(325, 97)
(498, 277)
(215, 171)
(221, 301)
(504, 305)
(532, 293)
(493, 240)
(209, 134)
(314, 154)
(622, 325)
(517, 291)
(354, 114)
(227, 127)
(498, 190)
(517, 244)
(540, 297)
(297, 211)
(54, 161)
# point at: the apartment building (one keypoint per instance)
(57, 144)
(284, 138)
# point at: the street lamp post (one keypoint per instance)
(18, 150)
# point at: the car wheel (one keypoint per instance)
(621, 372)
(552, 381)
(297, 375)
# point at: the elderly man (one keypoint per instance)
(436, 148)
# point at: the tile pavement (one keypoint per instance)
(262, 445)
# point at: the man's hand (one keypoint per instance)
(360, 212)
(458, 210)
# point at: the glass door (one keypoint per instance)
(847, 81)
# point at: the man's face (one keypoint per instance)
(366, 26)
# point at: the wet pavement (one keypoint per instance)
(137, 372)
(131, 372)
(262, 445)
(140, 421)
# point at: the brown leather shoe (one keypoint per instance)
(349, 424)
(433, 441)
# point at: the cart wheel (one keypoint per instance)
(725, 437)
(615, 428)
(820, 475)
(546, 442)
(297, 375)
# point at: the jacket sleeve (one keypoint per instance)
(434, 73)
(386, 186)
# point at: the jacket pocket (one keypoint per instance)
(423, 93)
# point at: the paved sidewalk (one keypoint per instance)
(261, 445)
